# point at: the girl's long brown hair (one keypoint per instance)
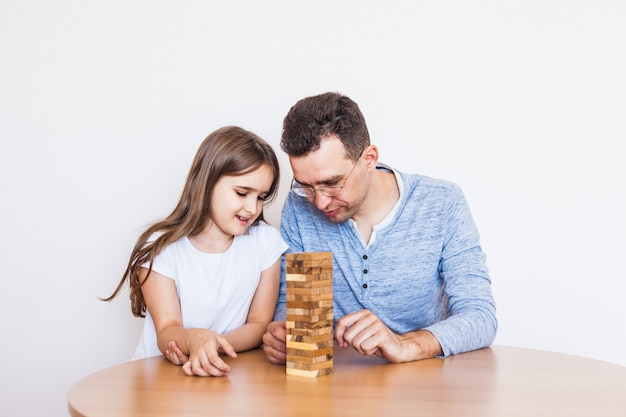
(230, 150)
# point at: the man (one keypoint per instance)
(409, 275)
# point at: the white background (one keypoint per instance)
(104, 103)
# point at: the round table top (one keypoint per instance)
(497, 381)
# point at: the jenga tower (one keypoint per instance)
(309, 314)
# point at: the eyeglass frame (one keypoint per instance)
(322, 190)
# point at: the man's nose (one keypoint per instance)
(321, 201)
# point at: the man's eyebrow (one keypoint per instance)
(328, 181)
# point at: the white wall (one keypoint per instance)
(103, 104)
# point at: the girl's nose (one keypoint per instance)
(253, 205)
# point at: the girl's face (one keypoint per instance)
(238, 200)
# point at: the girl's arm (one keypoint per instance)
(261, 311)
(202, 345)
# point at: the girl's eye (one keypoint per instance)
(244, 194)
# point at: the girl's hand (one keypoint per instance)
(175, 355)
(204, 357)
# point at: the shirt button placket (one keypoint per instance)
(364, 272)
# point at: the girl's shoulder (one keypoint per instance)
(262, 240)
(182, 243)
(262, 229)
(154, 236)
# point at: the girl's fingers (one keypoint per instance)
(227, 348)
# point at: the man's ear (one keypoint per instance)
(370, 156)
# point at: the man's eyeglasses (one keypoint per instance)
(328, 191)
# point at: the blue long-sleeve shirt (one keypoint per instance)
(424, 269)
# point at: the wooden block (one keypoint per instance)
(309, 320)
(309, 256)
(310, 304)
(310, 284)
(306, 311)
(304, 326)
(310, 374)
(302, 297)
(309, 346)
(296, 274)
(311, 290)
(297, 277)
(310, 332)
(311, 366)
(327, 351)
(308, 361)
(312, 272)
(319, 342)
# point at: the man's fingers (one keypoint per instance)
(349, 326)
(275, 356)
(274, 344)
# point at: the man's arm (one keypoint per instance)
(472, 323)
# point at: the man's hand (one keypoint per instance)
(368, 335)
(274, 343)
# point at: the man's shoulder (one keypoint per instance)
(425, 184)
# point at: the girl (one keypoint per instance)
(206, 277)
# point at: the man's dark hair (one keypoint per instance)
(316, 118)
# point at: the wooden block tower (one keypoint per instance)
(309, 314)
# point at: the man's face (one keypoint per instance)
(329, 167)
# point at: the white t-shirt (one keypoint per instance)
(215, 290)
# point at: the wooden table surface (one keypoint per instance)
(497, 381)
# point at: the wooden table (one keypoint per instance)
(498, 381)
